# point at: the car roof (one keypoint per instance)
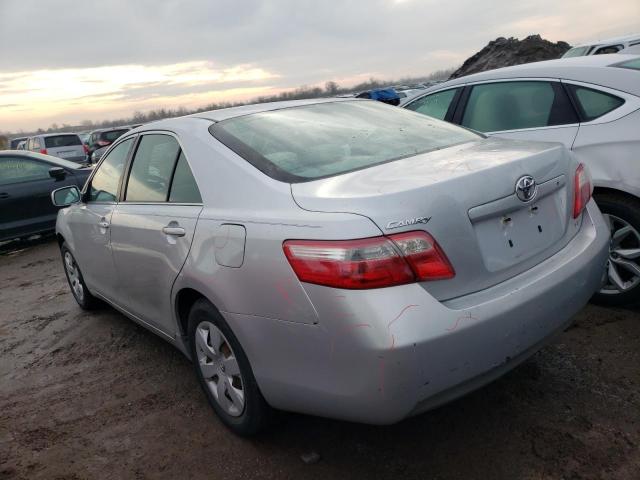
(45, 135)
(596, 69)
(225, 113)
(38, 156)
(610, 41)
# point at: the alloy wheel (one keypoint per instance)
(623, 266)
(219, 367)
(74, 276)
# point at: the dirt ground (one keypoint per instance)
(96, 396)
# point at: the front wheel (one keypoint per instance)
(76, 281)
(224, 372)
(622, 284)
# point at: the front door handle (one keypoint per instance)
(174, 231)
(103, 223)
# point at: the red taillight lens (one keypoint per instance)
(369, 262)
(424, 255)
(86, 149)
(581, 190)
(43, 151)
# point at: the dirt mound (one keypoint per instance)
(504, 52)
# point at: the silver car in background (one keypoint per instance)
(341, 258)
(592, 106)
(62, 145)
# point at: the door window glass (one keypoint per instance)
(500, 106)
(16, 170)
(104, 185)
(594, 103)
(183, 186)
(153, 164)
(435, 105)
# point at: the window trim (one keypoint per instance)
(556, 85)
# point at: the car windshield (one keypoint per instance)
(62, 141)
(321, 140)
(576, 52)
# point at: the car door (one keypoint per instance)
(25, 207)
(153, 226)
(527, 109)
(90, 221)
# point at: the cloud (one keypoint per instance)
(163, 48)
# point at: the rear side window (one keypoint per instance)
(308, 142)
(62, 141)
(594, 103)
(500, 106)
(152, 168)
(183, 186)
(104, 185)
(631, 64)
(17, 170)
(435, 105)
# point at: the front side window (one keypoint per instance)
(17, 170)
(435, 105)
(184, 188)
(104, 185)
(595, 103)
(152, 168)
(308, 142)
(500, 106)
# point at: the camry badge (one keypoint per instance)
(526, 188)
(407, 221)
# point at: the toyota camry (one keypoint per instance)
(340, 257)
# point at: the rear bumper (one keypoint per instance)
(379, 356)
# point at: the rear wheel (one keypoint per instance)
(76, 282)
(622, 284)
(224, 372)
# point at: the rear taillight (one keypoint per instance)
(43, 151)
(86, 149)
(369, 262)
(581, 190)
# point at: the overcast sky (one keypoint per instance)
(65, 61)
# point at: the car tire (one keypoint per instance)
(233, 393)
(621, 211)
(74, 276)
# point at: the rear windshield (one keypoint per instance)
(112, 135)
(576, 52)
(321, 140)
(62, 141)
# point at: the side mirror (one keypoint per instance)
(57, 172)
(65, 196)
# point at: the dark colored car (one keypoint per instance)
(26, 182)
(103, 138)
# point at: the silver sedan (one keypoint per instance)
(342, 258)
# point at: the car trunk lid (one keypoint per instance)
(465, 196)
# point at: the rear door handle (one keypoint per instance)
(174, 231)
(103, 223)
